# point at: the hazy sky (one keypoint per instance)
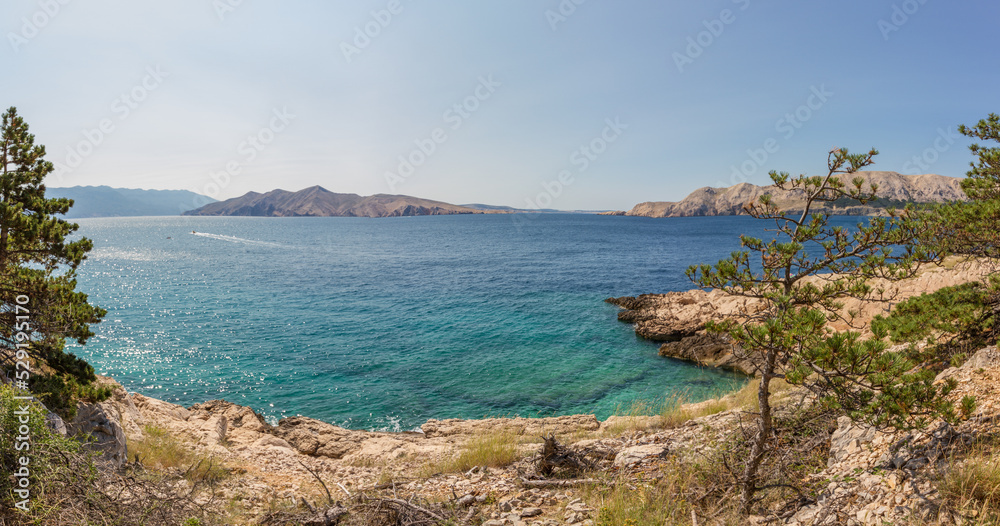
(571, 104)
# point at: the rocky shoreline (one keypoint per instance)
(677, 319)
(871, 477)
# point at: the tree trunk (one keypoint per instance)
(748, 481)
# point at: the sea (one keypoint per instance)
(385, 323)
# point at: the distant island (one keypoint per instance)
(105, 201)
(894, 190)
(317, 201)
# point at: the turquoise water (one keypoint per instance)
(385, 323)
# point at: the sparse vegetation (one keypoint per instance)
(68, 488)
(800, 278)
(682, 489)
(161, 450)
(493, 450)
(972, 486)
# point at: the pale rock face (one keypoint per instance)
(926, 188)
(316, 438)
(518, 426)
(100, 424)
(56, 423)
(848, 440)
(636, 454)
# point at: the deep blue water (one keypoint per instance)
(385, 323)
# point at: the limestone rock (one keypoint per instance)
(518, 426)
(145, 404)
(56, 423)
(229, 423)
(848, 440)
(637, 454)
(98, 425)
(237, 416)
(271, 441)
(709, 350)
(316, 438)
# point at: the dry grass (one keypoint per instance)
(159, 449)
(494, 450)
(972, 487)
(682, 489)
(676, 410)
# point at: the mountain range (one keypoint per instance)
(894, 190)
(317, 201)
(104, 201)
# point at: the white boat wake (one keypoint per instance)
(234, 239)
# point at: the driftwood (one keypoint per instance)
(398, 511)
(554, 455)
(327, 517)
(556, 483)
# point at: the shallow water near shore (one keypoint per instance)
(385, 323)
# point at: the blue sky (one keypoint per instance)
(554, 103)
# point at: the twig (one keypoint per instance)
(329, 497)
(345, 490)
(414, 507)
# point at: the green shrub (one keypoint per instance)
(60, 392)
(953, 321)
(43, 448)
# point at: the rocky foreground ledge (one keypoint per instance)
(678, 318)
(870, 477)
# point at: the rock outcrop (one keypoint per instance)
(98, 426)
(709, 350)
(880, 477)
(536, 427)
(893, 190)
(319, 439)
(679, 318)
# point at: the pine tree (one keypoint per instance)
(39, 303)
(799, 279)
(972, 228)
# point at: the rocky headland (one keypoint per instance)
(678, 318)
(894, 190)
